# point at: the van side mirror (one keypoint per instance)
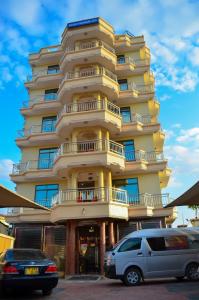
(113, 253)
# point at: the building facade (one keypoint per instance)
(92, 147)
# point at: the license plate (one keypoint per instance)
(31, 271)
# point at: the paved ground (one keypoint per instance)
(114, 290)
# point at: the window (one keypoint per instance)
(46, 158)
(48, 124)
(129, 149)
(121, 59)
(130, 245)
(45, 193)
(168, 243)
(50, 94)
(194, 241)
(156, 244)
(53, 69)
(123, 84)
(131, 186)
(125, 114)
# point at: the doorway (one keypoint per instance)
(88, 241)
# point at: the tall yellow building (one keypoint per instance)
(92, 147)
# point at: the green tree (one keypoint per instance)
(196, 209)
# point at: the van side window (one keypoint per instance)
(168, 243)
(130, 244)
(156, 243)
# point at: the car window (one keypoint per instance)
(130, 244)
(168, 243)
(25, 255)
(194, 241)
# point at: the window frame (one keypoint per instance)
(128, 240)
(45, 190)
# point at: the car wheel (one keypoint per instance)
(180, 278)
(46, 292)
(132, 277)
(192, 271)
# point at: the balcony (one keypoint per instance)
(90, 203)
(129, 95)
(93, 113)
(141, 161)
(32, 170)
(158, 138)
(44, 79)
(149, 205)
(91, 52)
(89, 153)
(125, 67)
(46, 56)
(100, 30)
(89, 80)
(37, 135)
(138, 125)
(46, 103)
(126, 43)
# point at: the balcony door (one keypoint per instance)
(131, 186)
(86, 191)
(129, 149)
(46, 158)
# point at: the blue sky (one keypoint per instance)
(171, 29)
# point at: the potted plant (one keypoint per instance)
(195, 221)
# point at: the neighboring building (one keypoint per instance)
(92, 147)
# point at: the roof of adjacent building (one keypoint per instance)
(190, 197)
(9, 198)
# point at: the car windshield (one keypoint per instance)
(25, 255)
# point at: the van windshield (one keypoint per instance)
(118, 243)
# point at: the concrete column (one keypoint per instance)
(101, 184)
(109, 185)
(74, 193)
(74, 141)
(111, 234)
(102, 245)
(71, 247)
(99, 138)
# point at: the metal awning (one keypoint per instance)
(190, 197)
(11, 199)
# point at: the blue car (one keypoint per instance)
(27, 268)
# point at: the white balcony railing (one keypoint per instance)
(90, 106)
(110, 195)
(31, 165)
(90, 72)
(48, 49)
(138, 155)
(36, 129)
(91, 146)
(40, 99)
(43, 73)
(90, 45)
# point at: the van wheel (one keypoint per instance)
(132, 277)
(192, 271)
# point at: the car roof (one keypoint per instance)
(155, 232)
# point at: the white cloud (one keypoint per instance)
(194, 56)
(189, 135)
(5, 168)
(164, 97)
(176, 125)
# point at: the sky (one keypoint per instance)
(171, 30)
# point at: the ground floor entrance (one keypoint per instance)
(78, 246)
(88, 249)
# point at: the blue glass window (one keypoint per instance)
(53, 69)
(48, 124)
(50, 94)
(123, 83)
(131, 186)
(45, 193)
(121, 59)
(129, 149)
(125, 114)
(46, 158)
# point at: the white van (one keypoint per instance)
(154, 253)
